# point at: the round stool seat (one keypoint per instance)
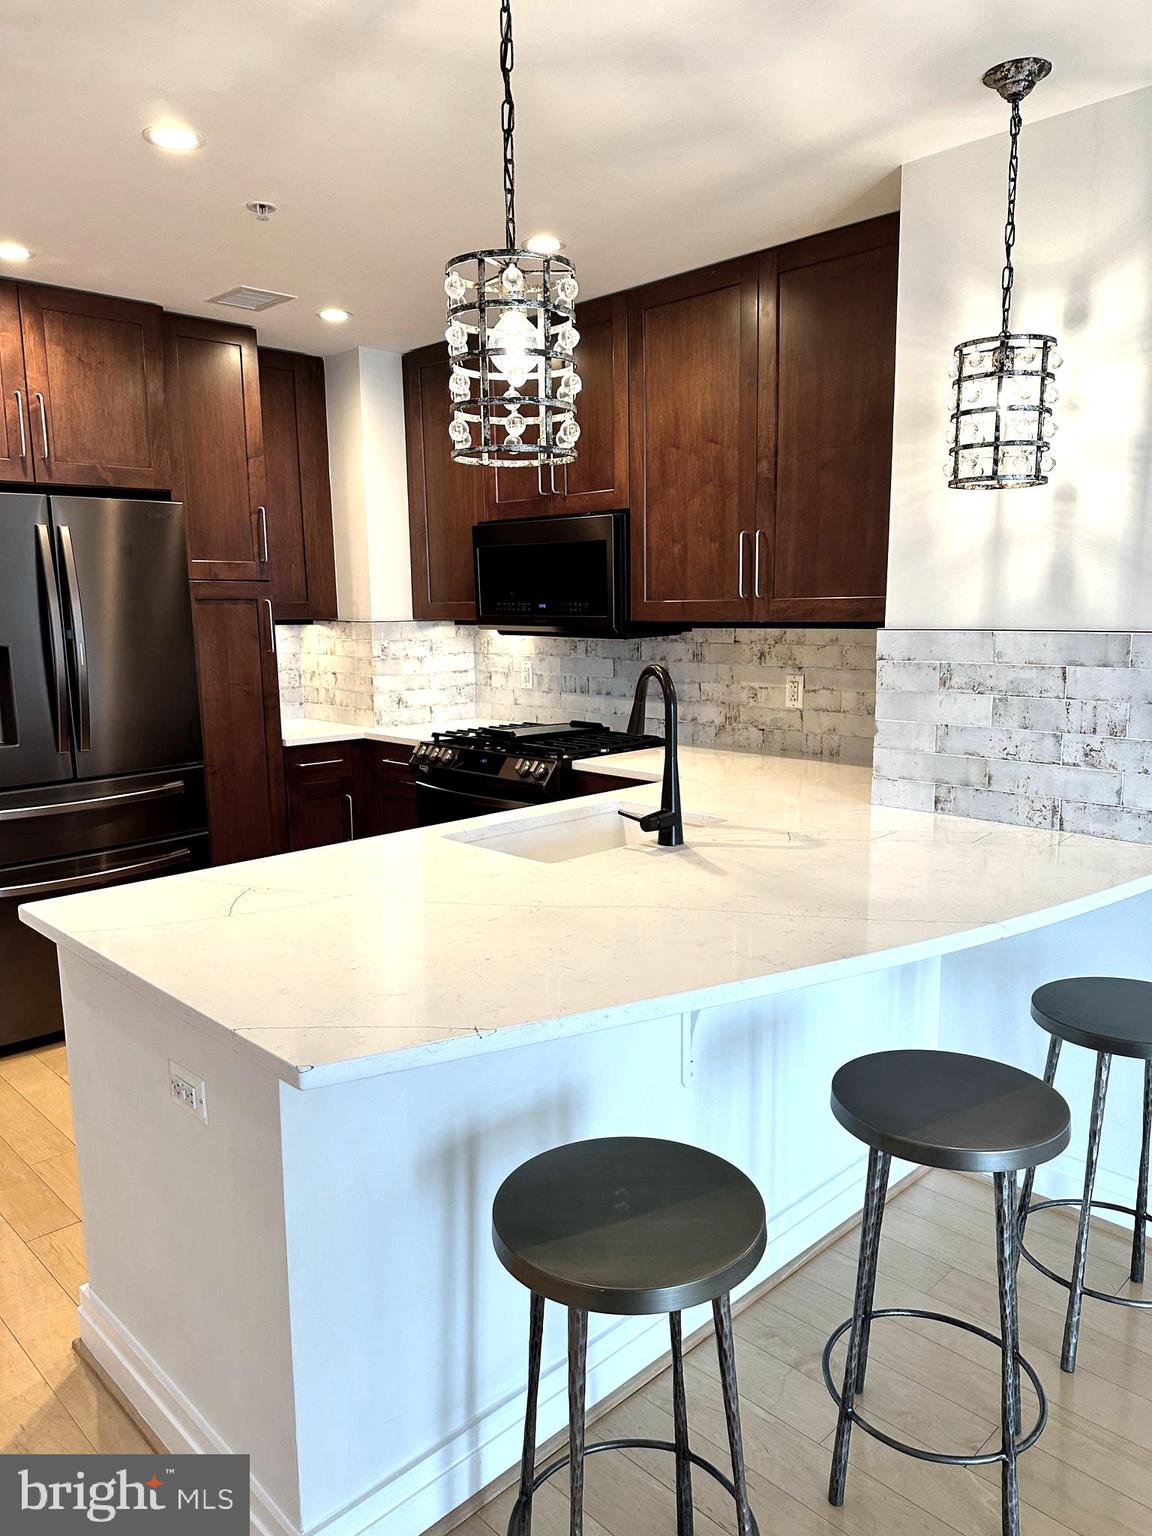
(951, 1111)
(629, 1225)
(1104, 1013)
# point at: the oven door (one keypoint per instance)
(436, 805)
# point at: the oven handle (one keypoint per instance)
(480, 800)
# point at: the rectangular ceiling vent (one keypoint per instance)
(252, 299)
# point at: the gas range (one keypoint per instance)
(517, 764)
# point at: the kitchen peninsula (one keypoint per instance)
(300, 1267)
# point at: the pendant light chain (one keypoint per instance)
(1008, 275)
(508, 122)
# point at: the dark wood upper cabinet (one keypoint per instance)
(15, 443)
(692, 364)
(828, 355)
(95, 372)
(298, 492)
(214, 396)
(598, 480)
(240, 718)
(445, 499)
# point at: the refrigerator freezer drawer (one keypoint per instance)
(79, 818)
(30, 991)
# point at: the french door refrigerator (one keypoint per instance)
(101, 764)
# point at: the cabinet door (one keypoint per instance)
(825, 522)
(598, 480)
(391, 791)
(95, 369)
(445, 499)
(240, 719)
(298, 492)
(322, 794)
(214, 394)
(15, 441)
(692, 365)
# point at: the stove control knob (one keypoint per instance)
(540, 770)
(522, 766)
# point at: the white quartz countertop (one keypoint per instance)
(317, 733)
(392, 952)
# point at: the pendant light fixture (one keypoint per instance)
(511, 334)
(1004, 386)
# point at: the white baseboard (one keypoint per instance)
(170, 1416)
(475, 1454)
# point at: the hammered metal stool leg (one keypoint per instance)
(522, 1512)
(1080, 1263)
(1140, 1233)
(726, 1350)
(969, 1115)
(577, 1377)
(684, 1522)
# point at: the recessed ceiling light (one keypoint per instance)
(172, 137)
(334, 316)
(545, 245)
(11, 251)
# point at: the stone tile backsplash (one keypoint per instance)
(376, 674)
(1036, 728)
(730, 683)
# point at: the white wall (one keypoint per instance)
(1077, 553)
(369, 484)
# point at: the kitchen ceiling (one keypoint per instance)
(651, 137)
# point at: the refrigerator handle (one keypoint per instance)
(55, 638)
(98, 877)
(79, 643)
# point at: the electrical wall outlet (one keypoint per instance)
(526, 672)
(188, 1091)
(794, 691)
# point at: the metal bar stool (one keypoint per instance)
(629, 1225)
(973, 1116)
(1113, 1017)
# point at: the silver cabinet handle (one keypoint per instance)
(65, 807)
(39, 399)
(351, 819)
(540, 491)
(23, 435)
(263, 534)
(271, 624)
(740, 575)
(98, 877)
(322, 762)
(756, 563)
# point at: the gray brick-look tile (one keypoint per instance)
(935, 645)
(903, 794)
(1008, 745)
(1142, 648)
(988, 805)
(1067, 648)
(1133, 683)
(931, 767)
(1003, 680)
(1102, 821)
(1092, 785)
(1108, 752)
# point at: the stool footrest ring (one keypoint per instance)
(940, 1457)
(515, 1521)
(1096, 1205)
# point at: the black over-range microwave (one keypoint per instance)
(556, 576)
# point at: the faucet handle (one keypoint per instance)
(650, 821)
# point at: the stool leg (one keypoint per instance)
(878, 1166)
(1014, 1260)
(726, 1350)
(1142, 1184)
(680, 1419)
(577, 1369)
(528, 1455)
(1030, 1176)
(1010, 1374)
(873, 1265)
(1076, 1293)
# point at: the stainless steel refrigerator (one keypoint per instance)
(101, 765)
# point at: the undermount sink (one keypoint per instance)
(573, 833)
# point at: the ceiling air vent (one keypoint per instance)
(252, 299)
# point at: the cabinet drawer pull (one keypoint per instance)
(740, 570)
(271, 624)
(322, 762)
(23, 435)
(756, 563)
(39, 399)
(351, 819)
(263, 535)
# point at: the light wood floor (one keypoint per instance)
(1090, 1474)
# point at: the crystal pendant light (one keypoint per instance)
(1004, 386)
(511, 335)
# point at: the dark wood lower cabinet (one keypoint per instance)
(322, 795)
(390, 790)
(240, 719)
